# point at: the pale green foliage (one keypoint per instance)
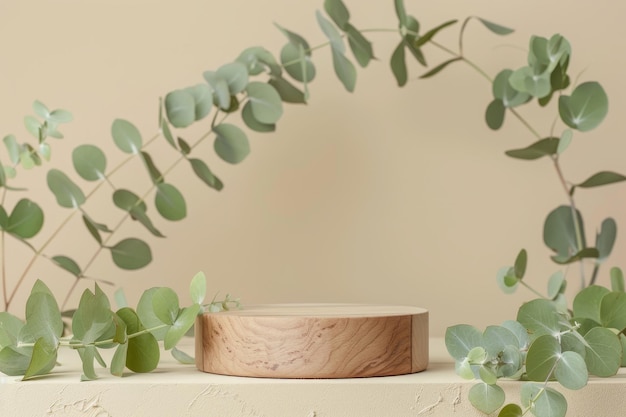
(30, 348)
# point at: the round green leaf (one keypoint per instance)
(586, 108)
(131, 253)
(44, 358)
(126, 136)
(256, 59)
(613, 310)
(287, 91)
(587, 303)
(14, 361)
(250, 120)
(297, 63)
(519, 331)
(231, 143)
(143, 351)
(203, 100)
(10, 327)
(89, 162)
(169, 202)
(603, 353)
(26, 219)
(165, 305)
(617, 279)
(497, 338)
(236, 76)
(571, 371)
(220, 89)
(145, 311)
(180, 108)
(556, 284)
(265, 103)
(506, 279)
(128, 201)
(559, 232)
(67, 193)
(546, 402)
(461, 339)
(504, 91)
(487, 398)
(542, 357)
(539, 317)
(511, 410)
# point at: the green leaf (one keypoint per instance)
(145, 311)
(495, 28)
(520, 264)
(167, 133)
(602, 178)
(288, 93)
(181, 325)
(333, 35)
(221, 93)
(295, 39)
(180, 108)
(494, 116)
(185, 149)
(252, 123)
(68, 264)
(539, 317)
(87, 356)
(587, 303)
(605, 239)
(525, 80)
(426, 37)
(559, 232)
(89, 162)
(541, 357)
(93, 318)
(34, 127)
(170, 203)
(401, 12)
(613, 311)
(265, 102)
(43, 318)
(14, 361)
(10, 327)
(410, 40)
(236, 76)
(257, 59)
(541, 148)
(153, 171)
(547, 402)
(45, 151)
(604, 353)
(203, 100)
(556, 284)
(126, 136)
(26, 219)
(12, 148)
(143, 350)
(130, 202)
(67, 193)
(165, 305)
(581, 254)
(511, 410)
(503, 90)
(60, 116)
(297, 63)
(231, 143)
(519, 331)
(398, 65)
(197, 288)
(43, 359)
(486, 398)
(461, 339)
(203, 172)
(506, 279)
(617, 280)
(439, 67)
(585, 109)
(344, 69)
(337, 11)
(182, 357)
(359, 45)
(131, 253)
(497, 338)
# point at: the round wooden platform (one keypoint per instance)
(313, 341)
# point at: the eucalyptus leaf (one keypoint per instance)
(487, 398)
(541, 358)
(561, 234)
(400, 12)
(546, 402)
(617, 279)
(250, 120)
(43, 359)
(337, 11)
(287, 91)
(257, 59)
(605, 239)
(197, 288)
(344, 69)
(181, 325)
(587, 303)
(68, 264)
(165, 305)
(511, 410)
(145, 311)
(203, 172)
(556, 284)
(15, 361)
(182, 357)
(520, 264)
(13, 148)
(93, 318)
(231, 143)
(67, 193)
(440, 67)
(155, 174)
(333, 35)
(167, 133)
(398, 65)
(494, 116)
(360, 46)
(143, 350)
(297, 63)
(461, 339)
(236, 76)
(426, 37)
(126, 136)
(506, 279)
(131, 253)
(495, 28)
(119, 359)
(25, 220)
(87, 357)
(89, 162)
(264, 102)
(543, 147)
(202, 98)
(497, 338)
(602, 178)
(539, 317)
(169, 202)
(613, 311)
(604, 353)
(180, 108)
(586, 108)
(503, 90)
(185, 149)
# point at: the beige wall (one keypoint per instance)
(386, 195)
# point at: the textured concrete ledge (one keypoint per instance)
(180, 391)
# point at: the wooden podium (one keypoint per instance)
(313, 341)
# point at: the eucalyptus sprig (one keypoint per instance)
(30, 348)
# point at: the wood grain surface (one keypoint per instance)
(313, 341)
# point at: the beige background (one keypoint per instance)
(386, 195)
